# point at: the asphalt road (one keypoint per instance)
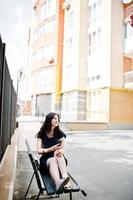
(101, 162)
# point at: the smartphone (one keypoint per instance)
(59, 142)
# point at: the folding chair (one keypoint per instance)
(48, 184)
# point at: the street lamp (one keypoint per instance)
(19, 75)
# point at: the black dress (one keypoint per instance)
(47, 143)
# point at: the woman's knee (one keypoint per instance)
(60, 159)
(51, 161)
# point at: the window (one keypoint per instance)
(95, 104)
(69, 50)
(45, 29)
(49, 4)
(89, 15)
(69, 101)
(68, 73)
(98, 77)
(88, 81)
(65, 103)
(45, 80)
(49, 27)
(125, 30)
(94, 27)
(69, 43)
(95, 42)
(48, 51)
(48, 9)
(128, 30)
(34, 57)
(93, 79)
(69, 19)
(99, 39)
(94, 11)
(39, 54)
(99, 9)
(89, 44)
(43, 11)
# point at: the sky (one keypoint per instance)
(15, 20)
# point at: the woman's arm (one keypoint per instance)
(61, 142)
(60, 152)
(41, 150)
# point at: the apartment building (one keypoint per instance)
(121, 109)
(128, 45)
(82, 68)
(93, 87)
(74, 61)
(47, 55)
(105, 62)
(91, 36)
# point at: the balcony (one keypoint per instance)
(66, 4)
(128, 80)
(128, 46)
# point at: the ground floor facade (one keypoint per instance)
(110, 106)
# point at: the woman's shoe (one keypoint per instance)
(61, 186)
(68, 186)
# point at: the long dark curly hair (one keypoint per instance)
(46, 127)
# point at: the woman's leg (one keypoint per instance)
(62, 166)
(63, 170)
(53, 170)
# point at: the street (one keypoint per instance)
(101, 162)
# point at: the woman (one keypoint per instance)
(50, 140)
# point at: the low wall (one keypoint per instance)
(120, 126)
(86, 126)
(83, 126)
(121, 107)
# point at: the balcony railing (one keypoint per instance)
(128, 79)
(128, 50)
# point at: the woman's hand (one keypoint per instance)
(59, 153)
(56, 147)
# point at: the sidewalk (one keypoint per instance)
(24, 169)
(101, 162)
(8, 169)
(8, 165)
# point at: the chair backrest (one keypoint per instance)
(35, 168)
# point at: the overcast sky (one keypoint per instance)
(15, 19)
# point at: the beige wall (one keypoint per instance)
(85, 126)
(116, 43)
(73, 58)
(106, 42)
(83, 44)
(99, 105)
(121, 106)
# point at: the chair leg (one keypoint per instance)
(29, 186)
(70, 195)
(38, 194)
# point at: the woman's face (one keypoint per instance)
(55, 121)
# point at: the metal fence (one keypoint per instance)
(7, 103)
